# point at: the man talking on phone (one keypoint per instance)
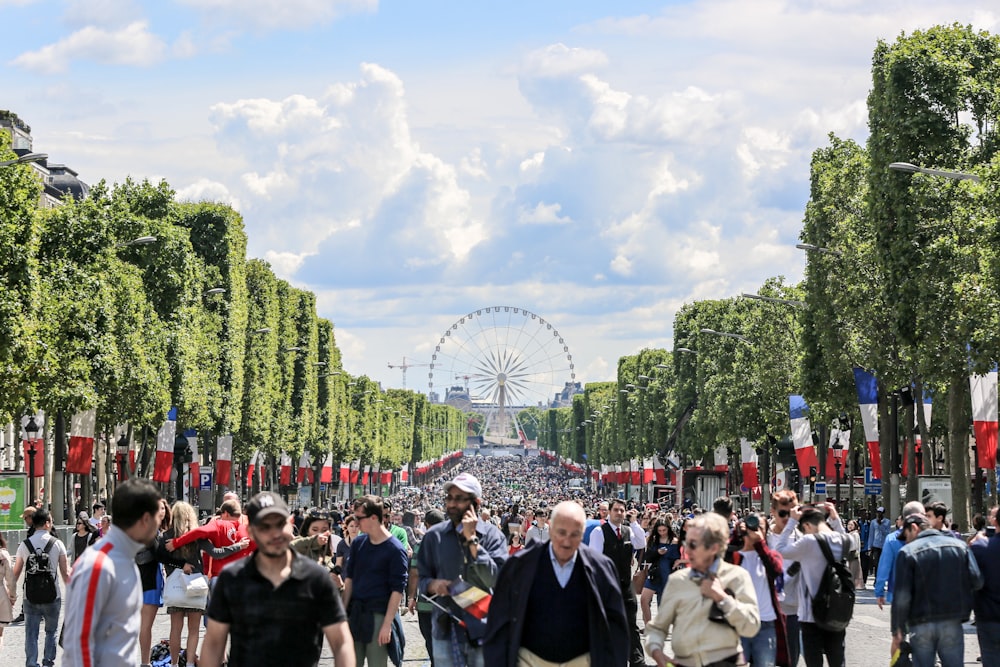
(463, 547)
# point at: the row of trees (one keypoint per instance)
(94, 313)
(902, 279)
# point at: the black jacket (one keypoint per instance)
(609, 636)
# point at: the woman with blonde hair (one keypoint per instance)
(184, 518)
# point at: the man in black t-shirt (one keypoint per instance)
(275, 605)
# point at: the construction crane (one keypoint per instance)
(404, 366)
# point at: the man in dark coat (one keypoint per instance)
(557, 602)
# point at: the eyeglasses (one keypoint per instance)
(458, 499)
(691, 544)
(359, 517)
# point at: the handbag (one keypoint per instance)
(639, 579)
(187, 591)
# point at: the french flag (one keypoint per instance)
(345, 473)
(252, 467)
(224, 459)
(868, 402)
(165, 447)
(721, 458)
(305, 468)
(81, 442)
(326, 472)
(404, 475)
(192, 437)
(984, 417)
(805, 452)
(355, 471)
(285, 471)
(648, 475)
(926, 407)
(748, 457)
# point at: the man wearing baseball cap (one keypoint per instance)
(463, 546)
(277, 604)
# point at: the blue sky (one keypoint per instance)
(599, 164)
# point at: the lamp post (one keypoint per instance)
(911, 168)
(838, 460)
(142, 240)
(31, 431)
(771, 299)
(726, 334)
(25, 159)
(122, 447)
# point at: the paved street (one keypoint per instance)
(867, 638)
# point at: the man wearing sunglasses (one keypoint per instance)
(782, 503)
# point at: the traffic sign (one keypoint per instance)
(205, 480)
(870, 478)
(820, 488)
(873, 489)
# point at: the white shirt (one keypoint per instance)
(634, 533)
(563, 572)
(38, 541)
(751, 562)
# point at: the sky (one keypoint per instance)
(596, 164)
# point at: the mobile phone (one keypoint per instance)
(991, 531)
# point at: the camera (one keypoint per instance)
(337, 570)
(752, 521)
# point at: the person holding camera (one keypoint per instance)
(769, 647)
(709, 606)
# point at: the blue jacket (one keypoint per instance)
(935, 579)
(608, 626)
(987, 599)
(884, 578)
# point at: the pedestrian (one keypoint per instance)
(782, 503)
(864, 526)
(817, 523)
(464, 547)
(26, 516)
(768, 647)
(8, 590)
(275, 606)
(854, 555)
(663, 550)
(225, 531)
(151, 576)
(540, 531)
(317, 541)
(84, 536)
(343, 553)
(555, 603)
(183, 518)
(709, 588)
(932, 608)
(879, 529)
(42, 557)
(422, 608)
(987, 599)
(374, 582)
(104, 596)
(885, 572)
(95, 517)
(617, 540)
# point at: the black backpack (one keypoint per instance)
(833, 604)
(39, 575)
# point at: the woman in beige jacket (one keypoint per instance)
(691, 594)
(8, 587)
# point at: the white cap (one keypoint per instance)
(880, 509)
(467, 483)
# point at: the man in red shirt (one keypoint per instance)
(222, 532)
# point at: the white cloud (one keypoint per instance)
(104, 13)
(559, 60)
(543, 214)
(285, 264)
(206, 190)
(132, 45)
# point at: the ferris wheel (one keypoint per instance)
(499, 359)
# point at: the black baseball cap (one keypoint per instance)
(265, 504)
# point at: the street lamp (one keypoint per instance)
(31, 431)
(262, 330)
(685, 350)
(910, 168)
(809, 247)
(726, 334)
(25, 159)
(122, 447)
(215, 290)
(142, 240)
(838, 460)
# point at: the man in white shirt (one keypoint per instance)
(35, 612)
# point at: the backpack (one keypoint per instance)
(39, 575)
(833, 604)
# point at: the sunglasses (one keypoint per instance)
(359, 517)
(458, 499)
(691, 545)
(783, 514)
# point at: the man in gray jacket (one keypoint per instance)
(104, 595)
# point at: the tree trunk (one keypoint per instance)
(958, 449)
(912, 492)
(885, 440)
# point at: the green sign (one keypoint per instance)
(13, 492)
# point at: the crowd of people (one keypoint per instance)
(504, 563)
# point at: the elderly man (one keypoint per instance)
(464, 547)
(557, 603)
